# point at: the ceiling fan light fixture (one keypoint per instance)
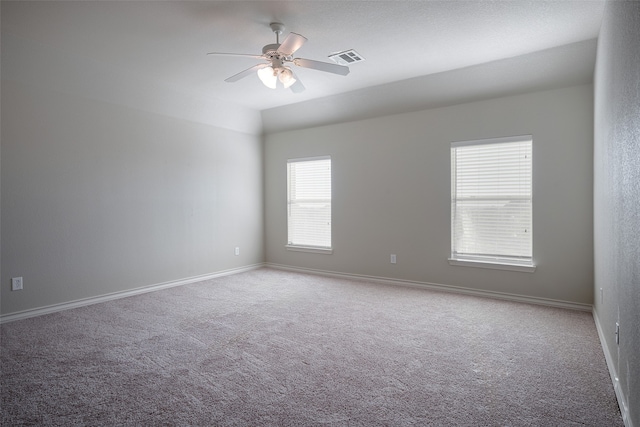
(286, 77)
(268, 77)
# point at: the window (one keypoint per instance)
(309, 204)
(491, 203)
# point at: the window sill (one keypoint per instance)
(526, 268)
(311, 249)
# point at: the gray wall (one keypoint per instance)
(391, 192)
(100, 198)
(617, 196)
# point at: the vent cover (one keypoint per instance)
(346, 57)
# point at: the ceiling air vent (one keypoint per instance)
(346, 57)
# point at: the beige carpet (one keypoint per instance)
(269, 347)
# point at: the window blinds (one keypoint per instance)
(309, 202)
(491, 200)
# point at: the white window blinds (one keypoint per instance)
(309, 202)
(491, 200)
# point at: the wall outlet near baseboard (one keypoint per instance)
(16, 283)
(393, 258)
(237, 251)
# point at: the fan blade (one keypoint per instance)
(322, 66)
(291, 43)
(297, 87)
(245, 73)
(246, 55)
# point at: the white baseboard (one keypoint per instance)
(122, 294)
(622, 401)
(439, 287)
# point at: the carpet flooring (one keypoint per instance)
(276, 348)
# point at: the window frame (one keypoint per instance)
(488, 261)
(300, 247)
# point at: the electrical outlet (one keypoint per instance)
(601, 296)
(393, 258)
(618, 333)
(237, 252)
(16, 283)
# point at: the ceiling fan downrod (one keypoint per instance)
(277, 28)
(271, 49)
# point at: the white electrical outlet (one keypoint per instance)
(16, 283)
(393, 258)
(237, 251)
(601, 295)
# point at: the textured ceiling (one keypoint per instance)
(165, 43)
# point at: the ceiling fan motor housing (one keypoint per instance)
(271, 49)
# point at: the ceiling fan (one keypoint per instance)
(276, 56)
